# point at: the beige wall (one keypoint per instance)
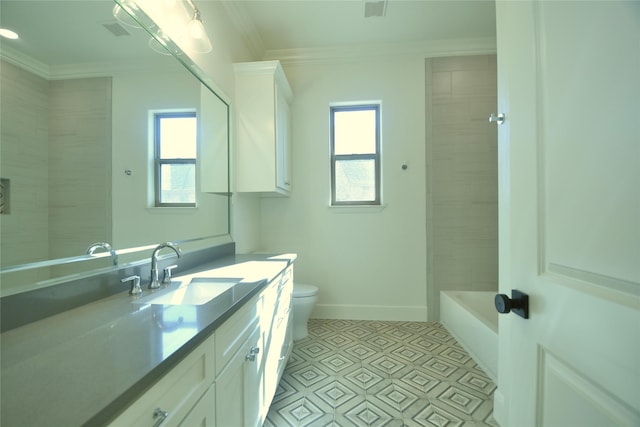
(55, 139)
(24, 161)
(369, 263)
(79, 165)
(463, 177)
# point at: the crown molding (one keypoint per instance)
(25, 62)
(99, 69)
(72, 71)
(352, 53)
(247, 29)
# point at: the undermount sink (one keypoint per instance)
(199, 291)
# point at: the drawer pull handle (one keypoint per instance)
(251, 357)
(159, 415)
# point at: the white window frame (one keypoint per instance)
(376, 156)
(158, 162)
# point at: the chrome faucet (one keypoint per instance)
(155, 283)
(107, 247)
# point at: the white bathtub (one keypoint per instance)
(472, 319)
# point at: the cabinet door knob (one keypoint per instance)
(251, 357)
(159, 416)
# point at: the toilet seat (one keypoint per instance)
(302, 290)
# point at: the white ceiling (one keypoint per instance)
(56, 32)
(313, 24)
(53, 33)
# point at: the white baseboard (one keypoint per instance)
(370, 312)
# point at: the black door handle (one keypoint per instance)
(518, 303)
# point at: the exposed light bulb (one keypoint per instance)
(8, 34)
(197, 34)
(196, 29)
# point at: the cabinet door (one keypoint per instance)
(238, 387)
(204, 413)
(175, 393)
(283, 136)
(253, 381)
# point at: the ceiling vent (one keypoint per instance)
(374, 8)
(116, 29)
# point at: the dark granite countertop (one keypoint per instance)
(86, 365)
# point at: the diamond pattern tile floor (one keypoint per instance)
(363, 373)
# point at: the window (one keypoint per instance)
(355, 155)
(175, 159)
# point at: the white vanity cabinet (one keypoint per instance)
(168, 401)
(239, 357)
(263, 116)
(276, 328)
(261, 347)
(238, 397)
(204, 413)
(230, 379)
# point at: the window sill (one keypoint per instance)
(172, 210)
(357, 209)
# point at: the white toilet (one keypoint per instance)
(303, 300)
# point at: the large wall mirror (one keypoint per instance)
(79, 91)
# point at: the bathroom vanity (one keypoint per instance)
(167, 358)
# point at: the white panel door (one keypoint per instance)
(569, 179)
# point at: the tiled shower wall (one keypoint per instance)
(463, 174)
(79, 165)
(56, 154)
(24, 156)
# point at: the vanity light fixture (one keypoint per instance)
(196, 32)
(179, 20)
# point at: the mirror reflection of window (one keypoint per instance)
(175, 136)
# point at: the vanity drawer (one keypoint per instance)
(234, 331)
(286, 291)
(286, 276)
(175, 393)
(269, 302)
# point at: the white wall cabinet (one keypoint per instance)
(230, 379)
(263, 117)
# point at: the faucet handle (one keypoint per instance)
(135, 284)
(167, 274)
